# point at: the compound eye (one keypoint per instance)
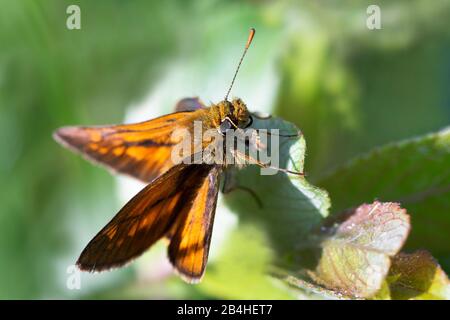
(224, 126)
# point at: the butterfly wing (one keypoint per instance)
(142, 150)
(146, 218)
(189, 104)
(191, 235)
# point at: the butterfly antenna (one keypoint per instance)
(249, 41)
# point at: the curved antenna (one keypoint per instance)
(249, 41)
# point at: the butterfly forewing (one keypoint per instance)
(146, 218)
(191, 235)
(142, 150)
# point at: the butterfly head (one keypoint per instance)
(235, 115)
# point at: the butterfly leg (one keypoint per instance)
(230, 184)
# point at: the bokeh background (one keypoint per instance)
(315, 63)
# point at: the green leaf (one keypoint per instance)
(355, 256)
(415, 173)
(416, 276)
(291, 208)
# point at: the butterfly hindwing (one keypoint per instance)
(145, 218)
(191, 235)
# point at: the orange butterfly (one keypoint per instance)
(180, 200)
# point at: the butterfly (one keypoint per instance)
(179, 200)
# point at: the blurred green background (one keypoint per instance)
(314, 63)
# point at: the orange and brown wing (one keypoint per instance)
(142, 150)
(146, 218)
(190, 236)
